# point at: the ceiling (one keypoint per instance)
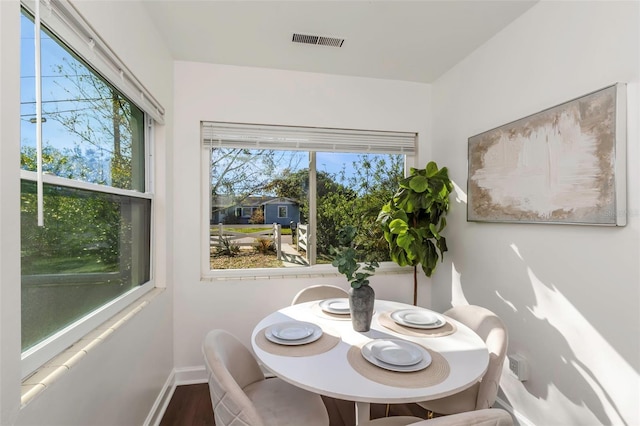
(399, 40)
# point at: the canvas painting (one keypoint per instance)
(564, 165)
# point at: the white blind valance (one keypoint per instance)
(292, 138)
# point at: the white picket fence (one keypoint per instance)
(246, 239)
(302, 238)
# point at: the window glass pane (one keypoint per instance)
(94, 248)
(352, 188)
(90, 132)
(247, 185)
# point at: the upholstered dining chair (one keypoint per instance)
(483, 393)
(241, 396)
(318, 292)
(486, 417)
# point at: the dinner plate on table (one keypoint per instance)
(338, 305)
(396, 355)
(293, 333)
(418, 318)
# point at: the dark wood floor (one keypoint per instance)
(191, 406)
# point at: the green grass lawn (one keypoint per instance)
(285, 231)
(70, 265)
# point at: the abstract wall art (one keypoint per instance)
(563, 165)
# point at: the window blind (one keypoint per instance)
(291, 138)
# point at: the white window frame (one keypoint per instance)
(62, 19)
(286, 212)
(247, 209)
(39, 354)
(360, 139)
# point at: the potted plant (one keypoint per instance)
(412, 221)
(361, 295)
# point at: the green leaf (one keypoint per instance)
(419, 184)
(398, 226)
(401, 214)
(405, 240)
(432, 169)
(442, 246)
(444, 192)
(443, 223)
(427, 270)
(405, 183)
(434, 231)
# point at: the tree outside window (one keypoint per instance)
(350, 190)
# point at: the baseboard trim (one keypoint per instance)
(519, 418)
(162, 402)
(177, 377)
(190, 375)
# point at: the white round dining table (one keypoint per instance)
(331, 374)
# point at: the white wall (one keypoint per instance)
(568, 294)
(253, 95)
(118, 381)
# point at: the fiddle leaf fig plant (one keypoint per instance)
(345, 259)
(412, 221)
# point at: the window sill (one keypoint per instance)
(62, 363)
(316, 271)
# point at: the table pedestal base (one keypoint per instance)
(363, 412)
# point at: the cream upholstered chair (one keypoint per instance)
(486, 417)
(393, 421)
(318, 292)
(483, 393)
(241, 396)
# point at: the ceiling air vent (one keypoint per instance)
(319, 40)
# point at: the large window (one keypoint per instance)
(306, 186)
(94, 247)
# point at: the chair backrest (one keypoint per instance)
(494, 333)
(318, 292)
(231, 367)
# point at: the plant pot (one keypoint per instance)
(361, 307)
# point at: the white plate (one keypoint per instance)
(293, 333)
(418, 318)
(396, 352)
(367, 353)
(292, 330)
(338, 305)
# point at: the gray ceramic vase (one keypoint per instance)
(361, 307)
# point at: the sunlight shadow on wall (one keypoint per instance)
(457, 293)
(592, 380)
(461, 195)
(558, 312)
